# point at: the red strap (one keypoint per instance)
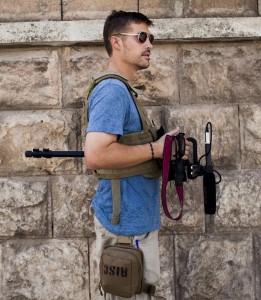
(165, 176)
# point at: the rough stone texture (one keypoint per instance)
(76, 10)
(225, 133)
(79, 65)
(220, 8)
(250, 122)
(29, 78)
(40, 10)
(207, 29)
(71, 206)
(257, 262)
(44, 269)
(25, 130)
(220, 73)
(51, 33)
(24, 208)
(236, 209)
(163, 73)
(88, 9)
(165, 8)
(155, 114)
(90, 31)
(28, 10)
(206, 267)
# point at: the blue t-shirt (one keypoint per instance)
(112, 110)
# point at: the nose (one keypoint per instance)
(148, 43)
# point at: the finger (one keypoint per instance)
(188, 143)
(174, 131)
(186, 155)
(187, 148)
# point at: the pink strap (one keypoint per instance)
(165, 176)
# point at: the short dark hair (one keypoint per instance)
(119, 21)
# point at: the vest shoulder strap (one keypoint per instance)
(133, 91)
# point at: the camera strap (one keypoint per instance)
(167, 153)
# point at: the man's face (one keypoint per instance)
(134, 54)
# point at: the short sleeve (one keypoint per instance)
(108, 107)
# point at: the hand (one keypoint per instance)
(187, 150)
(159, 144)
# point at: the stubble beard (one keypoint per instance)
(140, 62)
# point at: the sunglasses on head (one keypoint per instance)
(142, 36)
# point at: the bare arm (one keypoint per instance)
(102, 151)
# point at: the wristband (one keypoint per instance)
(152, 150)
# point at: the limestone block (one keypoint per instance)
(64, 33)
(51, 33)
(155, 115)
(28, 10)
(161, 78)
(192, 120)
(24, 205)
(78, 67)
(29, 78)
(250, 122)
(91, 10)
(220, 8)
(214, 267)
(161, 9)
(203, 29)
(71, 205)
(25, 130)
(45, 269)
(257, 255)
(239, 198)
(220, 73)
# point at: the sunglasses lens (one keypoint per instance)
(142, 37)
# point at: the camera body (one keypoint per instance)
(180, 170)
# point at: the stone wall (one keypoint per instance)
(205, 66)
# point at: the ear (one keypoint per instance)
(115, 42)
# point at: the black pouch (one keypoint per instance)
(160, 132)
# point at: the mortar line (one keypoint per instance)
(61, 4)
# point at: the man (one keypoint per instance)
(112, 114)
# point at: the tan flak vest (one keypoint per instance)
(150, 169)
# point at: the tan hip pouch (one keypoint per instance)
(121, 270)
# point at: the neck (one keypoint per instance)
(113, 66)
